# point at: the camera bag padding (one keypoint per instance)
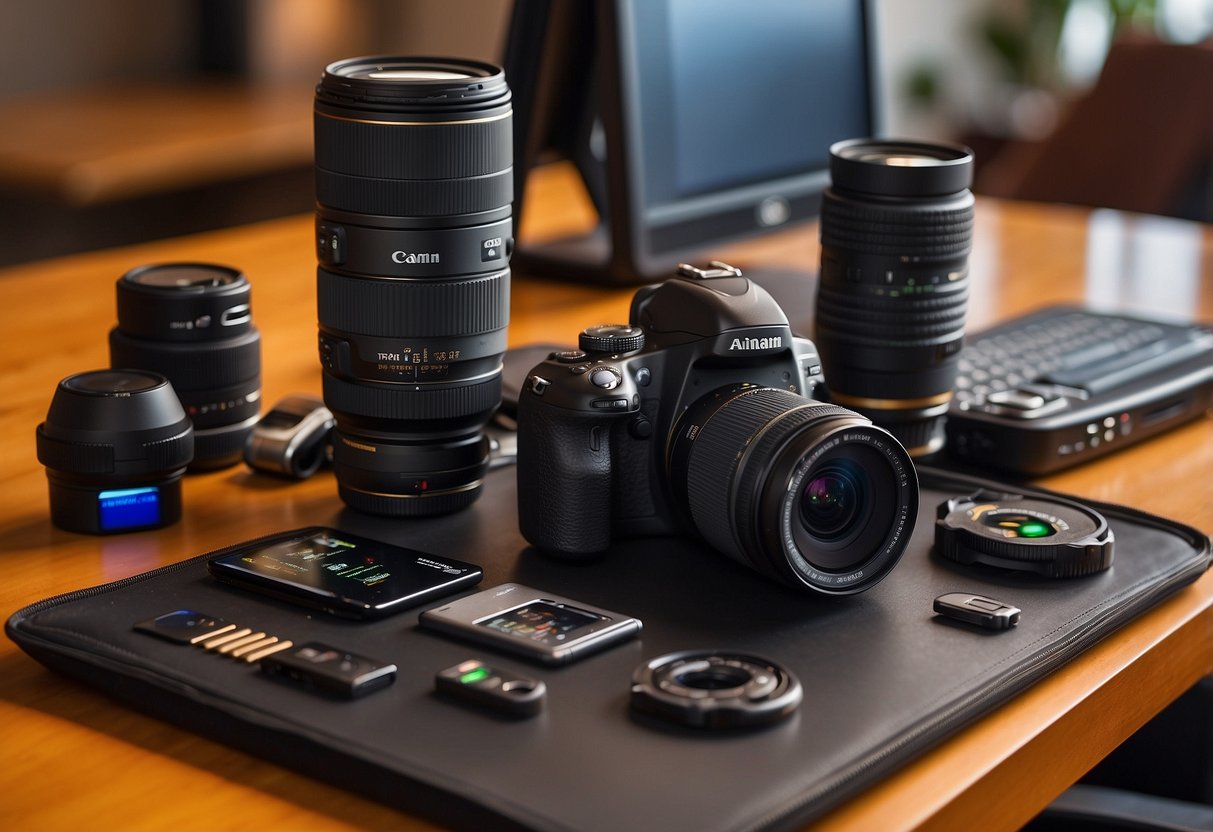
(884, 680)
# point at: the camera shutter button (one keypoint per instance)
(607, 378)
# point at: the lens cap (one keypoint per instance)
(1050, 536)
(715, 690)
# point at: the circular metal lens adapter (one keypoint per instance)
(714, 689)
(193, 324)
(1051, 536)
(115, 444)
(896, 229)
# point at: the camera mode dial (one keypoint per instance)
(613, 338)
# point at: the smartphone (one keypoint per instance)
(538, 625)
(341, 573)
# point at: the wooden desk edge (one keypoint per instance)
(991, 775)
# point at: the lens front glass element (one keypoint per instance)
(182, 277)
(833, 499)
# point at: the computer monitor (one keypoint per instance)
(692, 122)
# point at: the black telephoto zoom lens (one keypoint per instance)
(115, 444)
(414, 181)
(896, 229)
(193, 324)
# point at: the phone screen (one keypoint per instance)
(541, 621)
(352, 573)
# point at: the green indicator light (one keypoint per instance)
(1035, 530)
(473, 676)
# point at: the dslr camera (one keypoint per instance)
(699, 417)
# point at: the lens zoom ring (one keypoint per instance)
(410, 402)
(414, 151)
(718, 449)
(876, 230)
(886, 318)
(173, 452)
(390, 308)
(74, 457)
(414, 197)
(198, 365)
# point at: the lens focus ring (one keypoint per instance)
(412, 150)
(200, 365)
(389, 307)
(414, 197)
(929, 233)
(410, 401)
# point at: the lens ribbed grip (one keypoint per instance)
(923, 232)
(414, 197)
(73, 457)
(766, 413)
(173, 452)
(198, 365)
(852, 315)
(395, 307)
(407, 401)
(414, 150)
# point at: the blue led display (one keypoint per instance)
(129, 508)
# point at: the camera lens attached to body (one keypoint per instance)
(715, 690)
(414, 183)
(810, 494)
(193, 324)
(115, 444)
(896, 229)
(1050, 536)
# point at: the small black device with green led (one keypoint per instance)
(1051, 536)
(477, 683)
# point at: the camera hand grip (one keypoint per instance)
(564, 478)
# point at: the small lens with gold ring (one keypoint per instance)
(1050, 536)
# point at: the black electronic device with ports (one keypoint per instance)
(1063, 385)
(341, 573)
(540, 626)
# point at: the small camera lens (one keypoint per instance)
(115, 444)
(191, 322)
(896, 229)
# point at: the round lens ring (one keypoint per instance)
(416, 75)
(716, 677)
(183, 276)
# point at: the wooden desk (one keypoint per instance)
(73, 758)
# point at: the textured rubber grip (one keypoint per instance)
(415, 197)
(441, 150)
(196, 365)
(564, 478)
(416, 307)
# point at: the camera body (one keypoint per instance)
(594, 423)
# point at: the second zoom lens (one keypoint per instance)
(414, 179)
(192, 323)
(896, 229)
